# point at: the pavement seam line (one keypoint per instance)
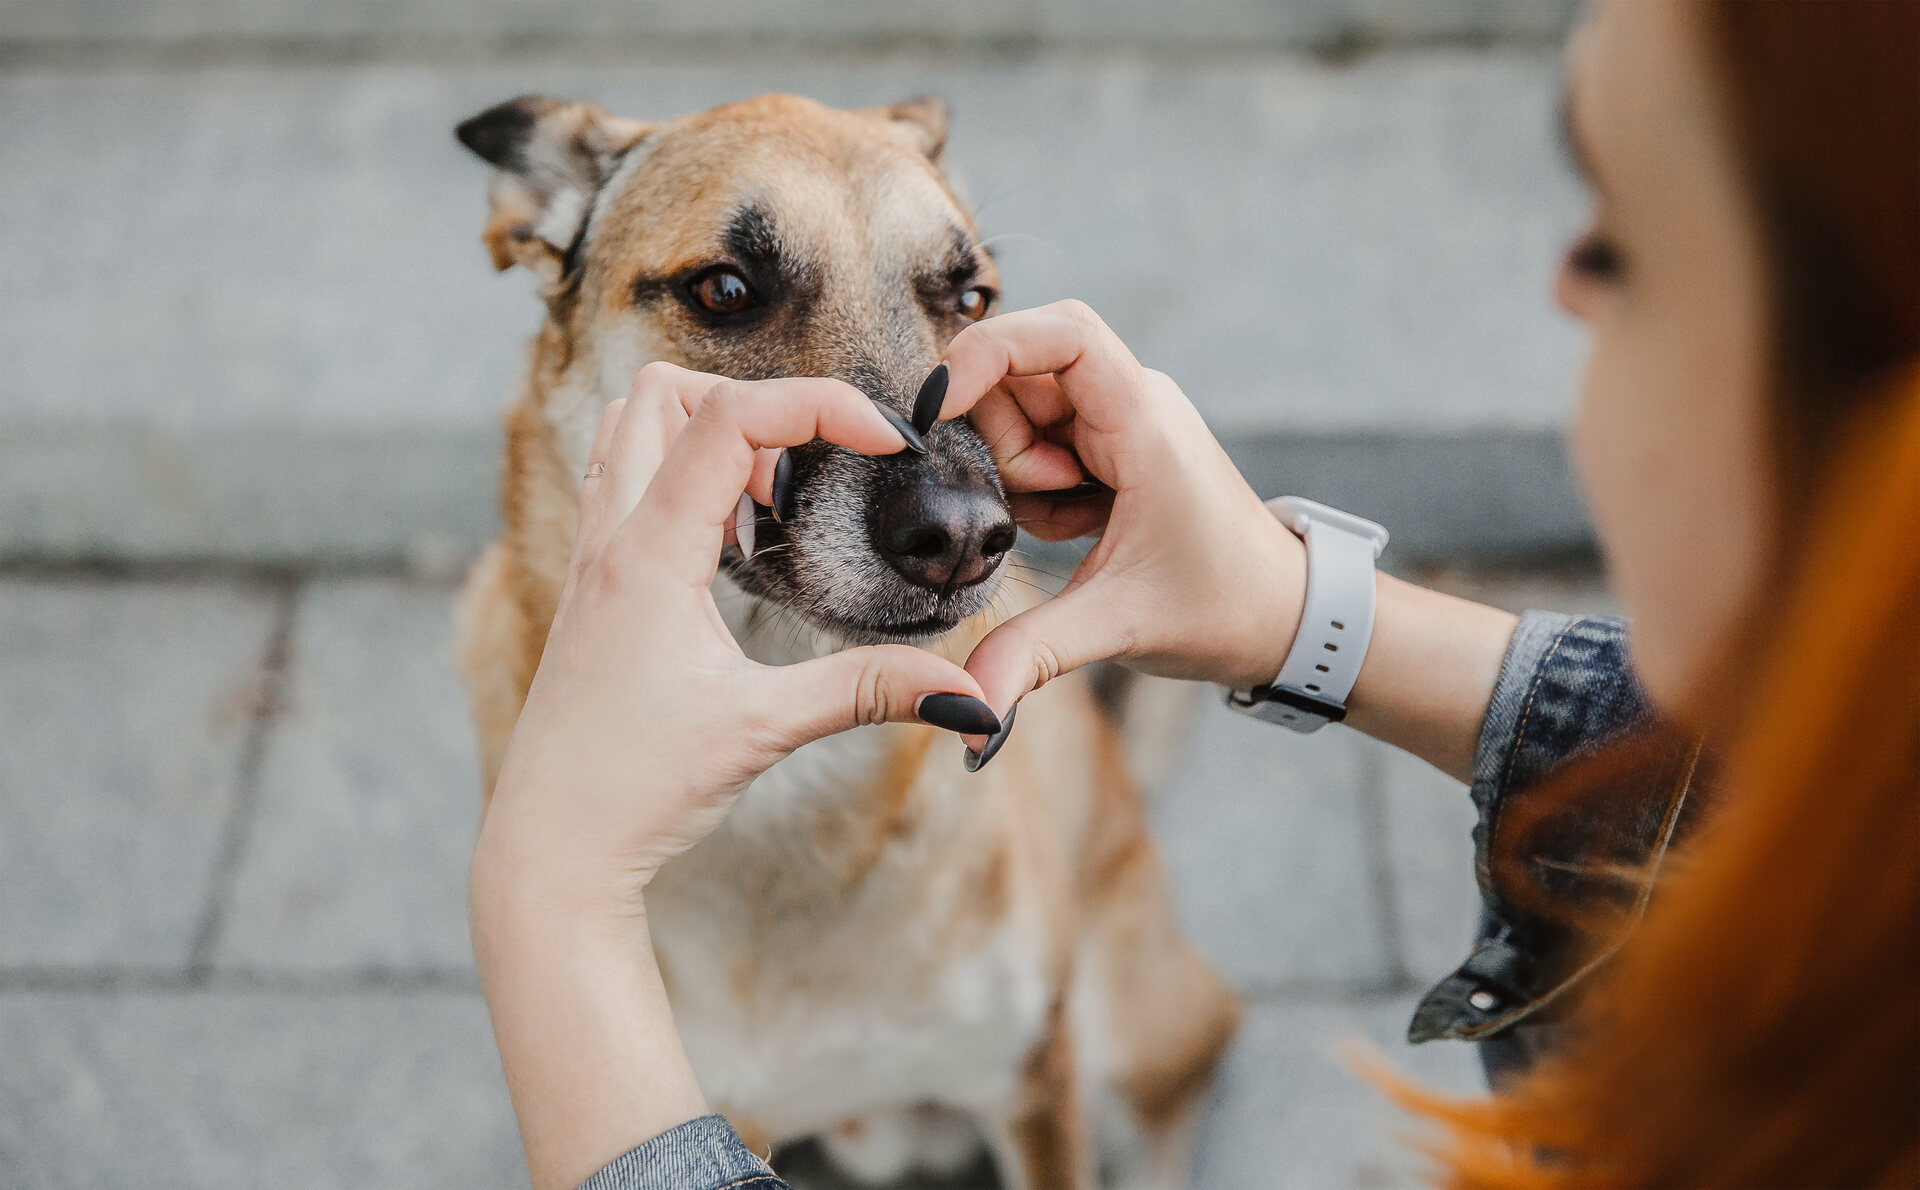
(109, 980)
(169, 980)
(247, 781)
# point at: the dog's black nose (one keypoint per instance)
(941, 536)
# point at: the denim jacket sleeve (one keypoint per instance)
(702, 1154)
(1564, 691)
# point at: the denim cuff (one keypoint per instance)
(1549, 857)
(1533, 637)
(702, 1154)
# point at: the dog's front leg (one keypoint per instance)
(1045, 1142)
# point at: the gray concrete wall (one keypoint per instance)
(246, 315)
(1331, 24)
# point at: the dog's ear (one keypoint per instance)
(553, 158)
(926, 117)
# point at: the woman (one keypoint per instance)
(1749, 437)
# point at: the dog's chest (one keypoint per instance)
(807, 995)
(803, 1003)
(797, 1048)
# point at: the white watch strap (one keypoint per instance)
(1336, 621)
(1336, 618)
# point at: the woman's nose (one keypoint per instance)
(1567, 292)
(941, 535)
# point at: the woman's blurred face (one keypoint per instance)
(1670, 438)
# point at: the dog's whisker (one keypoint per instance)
(1022, 235)
(1050, 583)
(1027, 582)
(1002, 436)
(1030, 568)
(1023, 522)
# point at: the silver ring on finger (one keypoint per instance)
(595, 471)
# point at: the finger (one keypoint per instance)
(1027, 459)
(589, 531)
(658, 404)
(695, 493)
(874, 684)
(657, 410)
(1040, 396)
(1062, 517)
(760, 481)
(1093, 368)
(759, 493)
(1039, 645)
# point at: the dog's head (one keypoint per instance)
(775, 237)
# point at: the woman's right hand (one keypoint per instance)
(1192, 577)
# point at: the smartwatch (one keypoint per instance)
(1336, 619)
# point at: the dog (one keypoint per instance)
(877, 948)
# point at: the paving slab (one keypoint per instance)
(1266, 844)
(259, 297)
(1290, 1113)
(127, 707)
(369, 793)
(222, 1089)
(218, 1089)
(1429, 864)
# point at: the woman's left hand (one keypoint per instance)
(643, 723)
(645, 720)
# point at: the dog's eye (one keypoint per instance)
(974, 302)
(723, 291)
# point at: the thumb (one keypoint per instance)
(1041, 643)
(871, 684)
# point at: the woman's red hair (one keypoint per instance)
(1762, 1026)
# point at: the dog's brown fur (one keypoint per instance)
(828, 920)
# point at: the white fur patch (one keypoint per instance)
(616, 182)
(560, 222)
(797, 1064)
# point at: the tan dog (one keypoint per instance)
(877, 947)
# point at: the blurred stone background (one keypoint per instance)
(254, 358)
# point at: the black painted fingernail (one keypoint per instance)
(933, 394)
(959, 712)
(978, 760)
(914, 442)
(783, 492)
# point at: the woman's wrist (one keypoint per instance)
(587, 1041)
(1429, 673)
(1430, 665)
(1256, 649)
(527, 860)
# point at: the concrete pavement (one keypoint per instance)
(234, 818)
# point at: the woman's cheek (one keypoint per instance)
(1602, 455)
(1622, 451)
